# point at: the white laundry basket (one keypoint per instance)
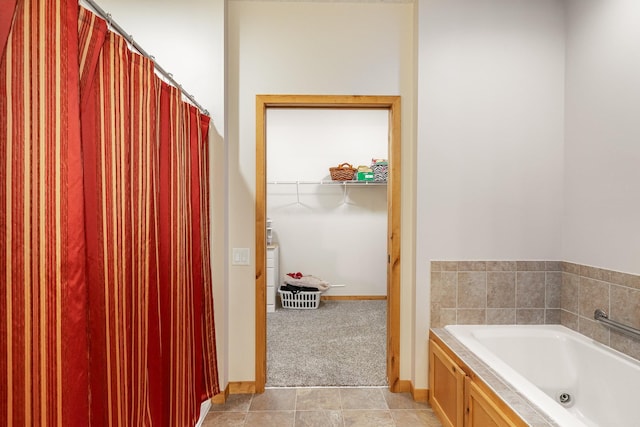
(303, 300)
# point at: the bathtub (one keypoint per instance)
(574, 380)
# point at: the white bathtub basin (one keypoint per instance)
(550, 363)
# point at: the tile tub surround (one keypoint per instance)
(536, 292)
(585, 288)
(495, 292)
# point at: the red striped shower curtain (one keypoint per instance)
(105, 283)
(43, 317)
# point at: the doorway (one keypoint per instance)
(392, 105)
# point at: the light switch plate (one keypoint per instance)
(240, 256)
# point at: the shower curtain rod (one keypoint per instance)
(107, 17)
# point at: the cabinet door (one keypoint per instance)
(482, 410)
(446, 387)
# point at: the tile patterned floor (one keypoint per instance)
(322, 407)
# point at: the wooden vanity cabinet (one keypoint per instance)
(461, 400)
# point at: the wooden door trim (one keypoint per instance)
(390, 103)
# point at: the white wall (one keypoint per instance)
(602, 183)
(490, 137)
(331, 231)
(187, 39)
(303, 48)
(491, 100)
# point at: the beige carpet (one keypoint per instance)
(341, 343)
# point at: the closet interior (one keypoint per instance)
(332, 230)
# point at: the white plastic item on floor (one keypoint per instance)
(204, 410)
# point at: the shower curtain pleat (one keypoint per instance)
(193, 134)
(210, 385)
(119, 140)
(180, 261)
(43, 316)
(8, 8)
(95, 329)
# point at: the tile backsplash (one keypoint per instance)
(536, 292)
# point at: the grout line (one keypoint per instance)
(457, 284)
(515, 295)
(544, 313)
(486, 295)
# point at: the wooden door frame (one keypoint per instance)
(390, 103)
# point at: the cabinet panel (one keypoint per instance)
(481, 410)
(446, 384)
(461, 399)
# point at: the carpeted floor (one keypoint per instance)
(341, 343)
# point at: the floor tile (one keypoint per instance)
(362, 398)
(317, 398)
(234, 403)
(414, 418)
(319, 419)
(322, 407)
(283, 399)
(270, 419)
(367, 418)
(224, 419)
(402, 401)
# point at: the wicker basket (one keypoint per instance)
(343, 172)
